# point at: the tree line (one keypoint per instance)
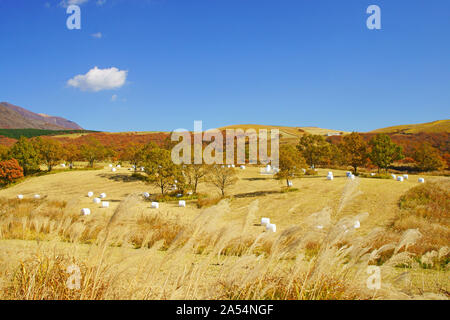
(353, 151)
(26, 157)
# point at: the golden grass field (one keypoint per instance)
(429, 127)
(130, 251)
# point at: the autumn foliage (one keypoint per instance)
(10, 171)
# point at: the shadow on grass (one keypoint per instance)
(256, 194)
(119, 177)
(257, 179)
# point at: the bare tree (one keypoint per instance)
(222, 177)
(194, 174)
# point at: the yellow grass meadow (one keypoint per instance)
(131, 251)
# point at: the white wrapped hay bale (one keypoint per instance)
(243, 167)
(330, 173)
(105, 204)
(232, 165)
(290, 184)
(146, 195)
(20, 196)
(271, 227)
(304, 171)
(102, 195)
(351, 176)
(85, 212)
(319, 227)
(265, 221)
(405, 176)
(142, 169)
(330, 176)
(182, 203)
(421, 180)
(155, 205)
(97, 200)
(63, 165)
(268, 168)
(37, 196)
(357, 224)
(113, 169)
(400, 179)
(90, 194)
(394, 176)
(348, 174)
(179, 195)
(118, 166)
(110, 165)
(372, 174)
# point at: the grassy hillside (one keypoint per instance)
(288, 134)
(428, 127)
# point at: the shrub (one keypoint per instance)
(311, 172)
(428, 158)
(203, 202)
(26, 154)
(426, 208)
(10, 171)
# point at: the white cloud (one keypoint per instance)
(99, 79)
(114, 97)
(97, 35)
(66, 3)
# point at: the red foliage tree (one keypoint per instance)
(10, 170)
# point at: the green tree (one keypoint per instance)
(384, 152)
(314, 148)
(336, 155)
(355, 151)
(50, 152)
(291, 162)
(26, 154)
(428, 158)
(4, 152)
(93, 151)
(161, 170)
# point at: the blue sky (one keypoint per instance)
(283, 62)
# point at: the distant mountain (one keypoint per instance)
(438, 126)
(14, 117)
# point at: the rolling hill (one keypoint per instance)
(15, 117)
(438, 126)
(288, 133)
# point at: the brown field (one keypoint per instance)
(130, 251)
